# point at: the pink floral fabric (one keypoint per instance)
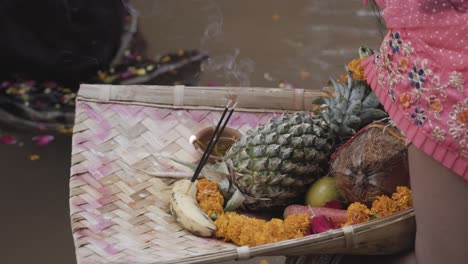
(420, 75)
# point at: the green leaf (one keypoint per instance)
(352, 121)
(354, 108)
(331, 100)
(235, 202)
(371, 101)
(358, 92)
(346, 132)
(339, 89)
(224, 186)
(220, 167)
(190, 165)
(337, 115)
(369, 115)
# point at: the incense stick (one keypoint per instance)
(210, 150)
(213, 141)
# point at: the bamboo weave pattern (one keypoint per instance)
(120, 213)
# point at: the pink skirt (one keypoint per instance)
(420, 75)
(427, 102)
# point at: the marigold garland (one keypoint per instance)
(247, 231)
(382, 206)
(209, 198)
(243, 230)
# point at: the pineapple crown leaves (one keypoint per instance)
(353, 107)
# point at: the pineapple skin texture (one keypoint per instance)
(274, 163)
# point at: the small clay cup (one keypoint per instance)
(201, 139)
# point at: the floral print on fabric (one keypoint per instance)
(425, 92)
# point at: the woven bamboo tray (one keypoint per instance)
(121, 177)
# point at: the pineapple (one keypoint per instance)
(274, 163)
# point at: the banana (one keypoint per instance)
(184, 208)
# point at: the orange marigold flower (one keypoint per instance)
(403, 198)
(221, 225)
(296, 225)
(383, 206)
(234, 228)
(357, 213)
(405, 100)
(211, 208)
(356, 69)
(343, 79)
(209, 198)
(273, 231)
(250, 231)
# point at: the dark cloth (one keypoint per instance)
(61, 40)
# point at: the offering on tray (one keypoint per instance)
(282, 162)
(275, 184)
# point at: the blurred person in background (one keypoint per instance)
(62, 40)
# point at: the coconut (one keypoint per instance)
(374, 162)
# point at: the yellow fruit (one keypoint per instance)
(321, 192)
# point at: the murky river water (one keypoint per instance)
(262, 42)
